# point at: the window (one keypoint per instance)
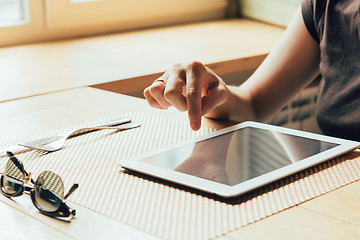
(54, 19)
(13, 12)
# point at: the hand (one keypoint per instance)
(188, 87)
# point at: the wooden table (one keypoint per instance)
(335, 215)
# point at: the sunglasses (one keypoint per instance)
(47, 192)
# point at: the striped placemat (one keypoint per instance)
(164, 209)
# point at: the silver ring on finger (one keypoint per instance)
(160, 80)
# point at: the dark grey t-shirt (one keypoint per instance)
(335, 25)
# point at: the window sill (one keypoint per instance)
(128, 62)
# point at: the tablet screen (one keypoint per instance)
(239, 155)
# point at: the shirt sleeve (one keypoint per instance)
(308, 13)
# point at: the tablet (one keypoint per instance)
(240, 158)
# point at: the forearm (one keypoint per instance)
(291, 66)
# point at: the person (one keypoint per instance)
(323, 39)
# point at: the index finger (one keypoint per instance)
(194, 78)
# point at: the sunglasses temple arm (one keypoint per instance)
(18, 164)
(28, 188)
(72, 189)
(16, 161)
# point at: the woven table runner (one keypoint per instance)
(167, 210)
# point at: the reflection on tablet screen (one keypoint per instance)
(238, 156)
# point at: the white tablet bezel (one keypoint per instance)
(135, 163)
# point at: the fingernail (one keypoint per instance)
(195, 125)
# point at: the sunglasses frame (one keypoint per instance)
(63, 211)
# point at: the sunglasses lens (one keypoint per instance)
(13, 178)
(49, 192)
